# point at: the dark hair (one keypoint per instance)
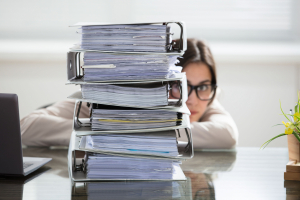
(198, 52)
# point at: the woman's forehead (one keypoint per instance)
(197, 73)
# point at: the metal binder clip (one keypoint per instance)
(78, 122)
(182, 43)
(80, 167)
(188, 146)
(74, 70)
(179, 102)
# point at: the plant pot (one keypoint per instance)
(294, 148)
(293, 166)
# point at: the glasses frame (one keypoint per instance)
(193, 87)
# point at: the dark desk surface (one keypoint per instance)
(248, 173)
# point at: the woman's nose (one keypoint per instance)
(192, 98)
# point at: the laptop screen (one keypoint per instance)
(11, 157)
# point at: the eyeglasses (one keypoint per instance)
(204, 92)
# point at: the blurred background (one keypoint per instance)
(255, 44)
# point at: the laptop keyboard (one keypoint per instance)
(25, 165)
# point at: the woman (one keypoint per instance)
(212, 126)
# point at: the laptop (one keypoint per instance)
(12, 161)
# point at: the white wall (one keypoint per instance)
(36, 83)
(251, 93)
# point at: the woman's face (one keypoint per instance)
(197, 74)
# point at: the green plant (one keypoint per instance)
(291, 127)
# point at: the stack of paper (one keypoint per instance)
(105, 117)
(147, 94)
(147, 38)
(102, 166)
(103, 67)
(126, 75)
(153, 144)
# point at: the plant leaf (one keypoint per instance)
(265, 143)
(277, 125)
(293, 116)
(283, 112)
(298, 103)
(270, 140)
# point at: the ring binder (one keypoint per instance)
(180, 79)
(185, 148)
(83, 126)
(180, 51)
(75, 156)
(75, 66)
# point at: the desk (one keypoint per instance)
(247, 173)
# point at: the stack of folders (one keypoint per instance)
(133, 129)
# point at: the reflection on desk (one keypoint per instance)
(203, 168)
(245, 174)
(59, 163)
(292, 189)
(210, 162)
(11, 187)
(133, 190)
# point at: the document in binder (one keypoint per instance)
(103, 166)
(129, 37)
(162, 143)
(104, 117)
(97, 66)
(143, 94)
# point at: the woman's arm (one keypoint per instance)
(51, 126)
(216, 129)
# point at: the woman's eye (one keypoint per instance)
(202, 87)
(174, 86)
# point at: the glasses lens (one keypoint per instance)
(175, 91)
(205, 92)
